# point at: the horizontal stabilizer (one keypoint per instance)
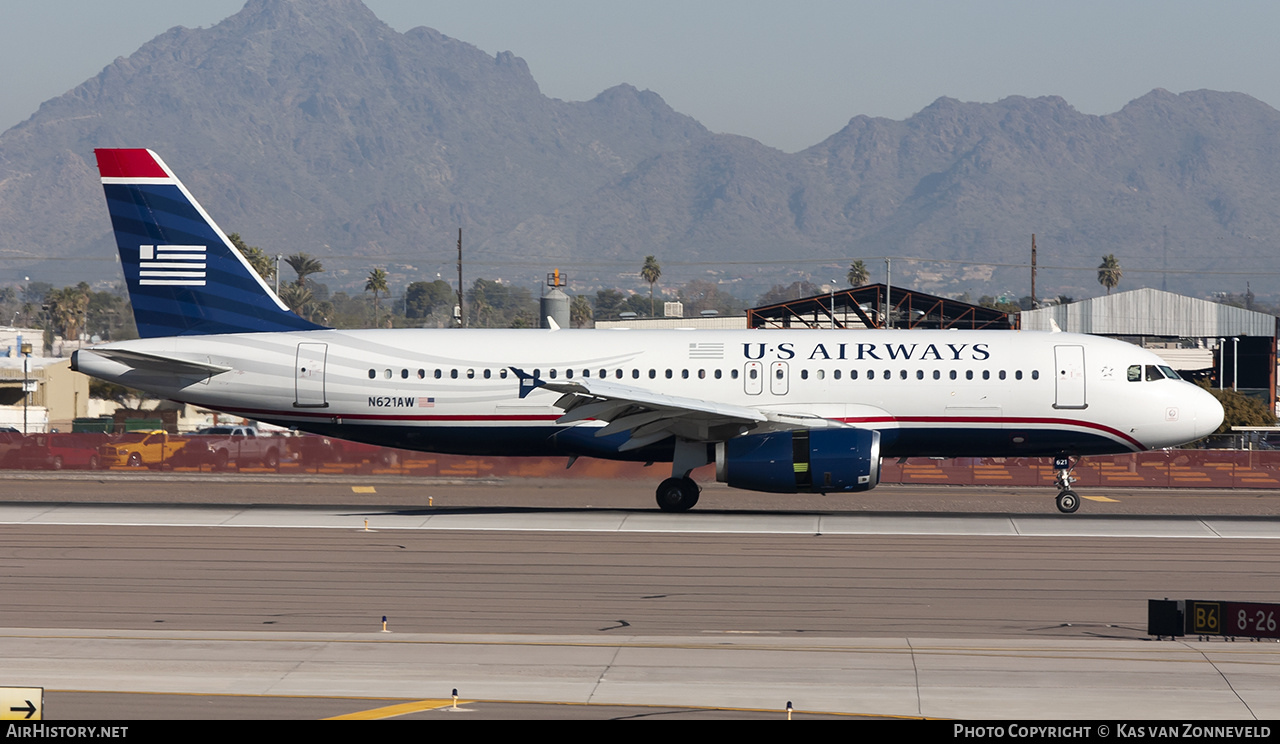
(162, 364)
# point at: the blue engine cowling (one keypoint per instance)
(805, 461)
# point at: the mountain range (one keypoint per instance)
(312, 126)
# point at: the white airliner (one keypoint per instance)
(781, 411)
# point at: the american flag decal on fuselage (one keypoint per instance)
(706, 350)
(178, 265)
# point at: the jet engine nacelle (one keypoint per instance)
(815, 461)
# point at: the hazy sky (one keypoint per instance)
(788, 73)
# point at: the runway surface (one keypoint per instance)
(984, 614)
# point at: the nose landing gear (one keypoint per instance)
(1068, 501)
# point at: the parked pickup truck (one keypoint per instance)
(220, 446)
(153, 449)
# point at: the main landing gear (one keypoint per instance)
(1068, 501)
(677, 494)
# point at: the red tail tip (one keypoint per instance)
(128, 163)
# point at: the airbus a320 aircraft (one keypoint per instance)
(776, 410)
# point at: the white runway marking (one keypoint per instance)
(629, 521)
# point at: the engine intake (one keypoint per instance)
(804, 461)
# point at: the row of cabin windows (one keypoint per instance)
(685, 374)
(471, 374)
(920, 374)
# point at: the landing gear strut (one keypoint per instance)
(677, 494)
(1068, 501)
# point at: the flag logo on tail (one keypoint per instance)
(175, 265)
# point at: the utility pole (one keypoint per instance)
(25, 350)
(1164, 277)
(1033, 271)
(462, 310)
(886, 320)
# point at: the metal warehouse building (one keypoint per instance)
(1231, 346)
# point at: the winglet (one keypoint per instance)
(528, 383)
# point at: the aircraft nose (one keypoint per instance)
(1208, 413)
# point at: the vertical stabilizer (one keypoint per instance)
(184, 276)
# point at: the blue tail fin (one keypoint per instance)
(184, 276)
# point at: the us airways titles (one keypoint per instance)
(880, 352)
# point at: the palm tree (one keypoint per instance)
(580, 311)
(858, 274)
(377, 283)
(651, 272)
(260, 261)
(66, 309)
(305, 266)
(297, 298)
(1109, 272)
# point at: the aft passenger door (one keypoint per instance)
(1070, 392)
(309, 376)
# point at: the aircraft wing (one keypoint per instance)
(159, 363)
(651, 417)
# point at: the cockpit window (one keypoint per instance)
(1135, 373)
(1168, 372)
(1153, 373)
